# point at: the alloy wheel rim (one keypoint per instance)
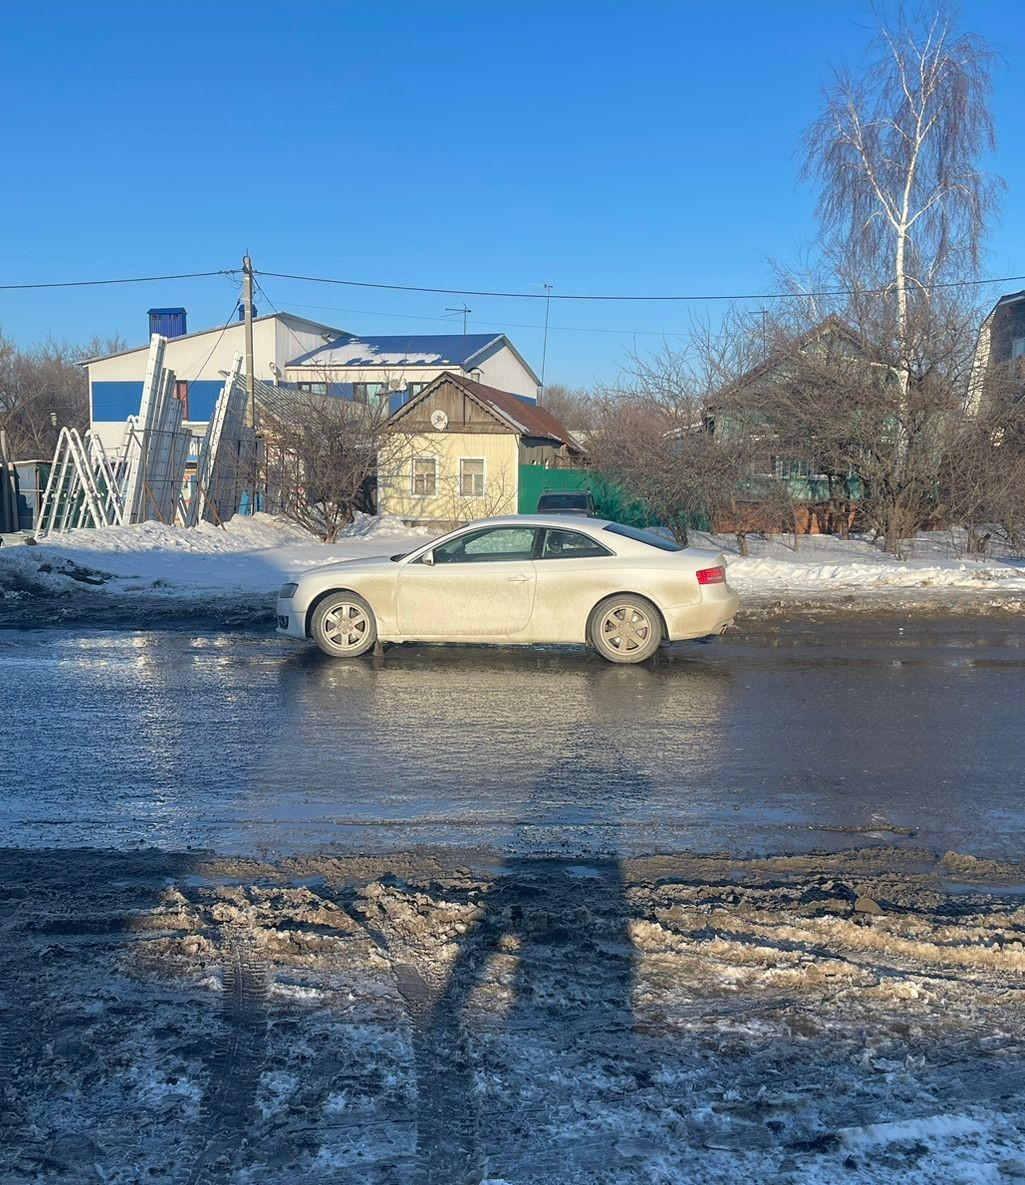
(345, 626)
(625, 629)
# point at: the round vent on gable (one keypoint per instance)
(439, 420)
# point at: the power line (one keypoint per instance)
(333, 308)
(230, 273)
(579, 297)
(127, 280)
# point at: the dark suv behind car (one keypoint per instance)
(566, 502)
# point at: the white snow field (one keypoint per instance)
(250, 557)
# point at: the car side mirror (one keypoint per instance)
(427, 557)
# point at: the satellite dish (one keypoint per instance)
(439, 420)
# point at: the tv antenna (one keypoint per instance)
(465, 311)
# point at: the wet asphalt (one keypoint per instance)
(813, 734)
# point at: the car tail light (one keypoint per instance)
(712, 575)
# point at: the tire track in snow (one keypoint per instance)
(236, 1062)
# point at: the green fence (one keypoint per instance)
(610, 500)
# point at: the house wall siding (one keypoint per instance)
(505, 371)
(448, 506)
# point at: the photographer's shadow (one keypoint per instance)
(539, 996)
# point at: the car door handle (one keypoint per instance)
(517, 579)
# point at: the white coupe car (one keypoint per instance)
(520, 580)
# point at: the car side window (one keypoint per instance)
(563, 545)
(495, 543)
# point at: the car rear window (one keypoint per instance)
(562, 501)
(659, 541)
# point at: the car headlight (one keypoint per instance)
(287, 592)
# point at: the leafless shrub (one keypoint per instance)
(318, 460)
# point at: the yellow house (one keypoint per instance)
(453, 453)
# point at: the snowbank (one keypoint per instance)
(826, 567)
(246, 556)
(250, 557)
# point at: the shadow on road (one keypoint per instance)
(558, 928)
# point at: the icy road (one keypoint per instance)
(819, 733)
(752, 913)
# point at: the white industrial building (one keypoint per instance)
(294, 351)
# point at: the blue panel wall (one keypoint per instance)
(119, 400)
(116, 401)
(202, 397)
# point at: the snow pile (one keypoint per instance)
(825, 566)
(241, 533)
(247, 557)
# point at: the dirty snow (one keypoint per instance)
(250, 557)
(678, 1020)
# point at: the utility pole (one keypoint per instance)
(544, 348)
(247, 310)
(247, 313)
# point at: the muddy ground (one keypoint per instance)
(458, 1017)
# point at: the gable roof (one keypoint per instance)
(831, 326)
(424, 349)
(304, 321)
(527, 419)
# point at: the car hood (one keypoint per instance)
(363, 561)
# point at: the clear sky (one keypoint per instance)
(642, 147)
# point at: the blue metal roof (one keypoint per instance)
(433, 349)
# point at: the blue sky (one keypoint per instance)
(643, 147)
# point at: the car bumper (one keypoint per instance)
(712, 615)
(291, 619)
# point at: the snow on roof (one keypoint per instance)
(447, 349)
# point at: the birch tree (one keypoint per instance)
(896, 153)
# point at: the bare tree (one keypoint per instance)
(319, 458)
(41, 390)
(902, 200)
(572, 406)
(657, 440)
(982, 474)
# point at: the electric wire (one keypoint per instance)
(669, 298)
(608, 297)
(124, 280)
(499, 325)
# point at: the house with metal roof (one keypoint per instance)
(400, 366)
(461, 450)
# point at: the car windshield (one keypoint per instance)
(659, 541)
(563, 501)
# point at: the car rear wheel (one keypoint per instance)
(625, 629)
(344, 626)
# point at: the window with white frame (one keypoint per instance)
(424, 480)
(471, 477)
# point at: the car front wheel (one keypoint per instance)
(625, 629)
(344, 626)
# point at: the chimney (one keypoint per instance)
(167, 322)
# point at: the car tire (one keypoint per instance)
(625, 628)
(343, 625)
